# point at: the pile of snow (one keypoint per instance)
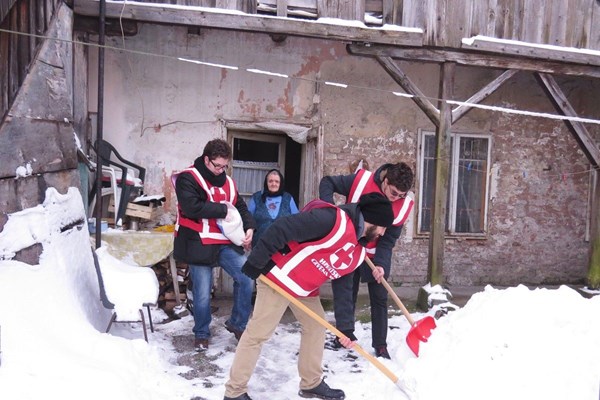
(515, 343)
(512, 343)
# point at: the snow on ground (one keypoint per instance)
(511, 343)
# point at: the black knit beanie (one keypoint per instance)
(376, 209)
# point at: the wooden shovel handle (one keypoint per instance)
(405, 312)
(327, 325)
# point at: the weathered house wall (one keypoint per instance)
(37, 143)
(537, 217)
(160, 112)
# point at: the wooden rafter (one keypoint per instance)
(403, 80)
(483, 93)
(580, 133)
(474, 59)
(535, 51)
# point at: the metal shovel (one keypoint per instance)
(419, 330)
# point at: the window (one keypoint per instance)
(466, 202)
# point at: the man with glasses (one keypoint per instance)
(394, 182)
(203, 193)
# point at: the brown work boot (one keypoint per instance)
(200, 344)
(237, 333)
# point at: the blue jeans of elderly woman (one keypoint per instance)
(202, 278)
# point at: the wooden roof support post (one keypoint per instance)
(435, 268)
(593, 277)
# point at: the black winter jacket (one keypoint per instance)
(192, 199)
(341, 184)
(302, 227)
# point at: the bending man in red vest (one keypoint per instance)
(394, 181)
(203, 191)
(299, 253)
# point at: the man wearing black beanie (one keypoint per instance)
(299, 253)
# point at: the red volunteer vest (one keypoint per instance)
(364, 183)
(207, 228)
(308, 265)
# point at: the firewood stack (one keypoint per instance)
(166, 295)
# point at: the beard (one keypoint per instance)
(371, 233)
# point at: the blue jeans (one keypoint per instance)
(243, 286)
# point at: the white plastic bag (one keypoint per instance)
(232, 226)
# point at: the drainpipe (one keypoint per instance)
(99, 120)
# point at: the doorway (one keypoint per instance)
(255, 153)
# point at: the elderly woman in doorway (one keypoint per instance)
(270, 203)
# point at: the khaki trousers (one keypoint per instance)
(268, 310)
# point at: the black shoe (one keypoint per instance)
(322, 391)
(240, 397)
(236, 333)
(381, 351)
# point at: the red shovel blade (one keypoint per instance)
(419, 332)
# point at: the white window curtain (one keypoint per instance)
(250, 176)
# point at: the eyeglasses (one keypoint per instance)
(394, 192)
(219, 166)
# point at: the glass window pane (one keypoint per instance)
(428, 182)
(472, 183)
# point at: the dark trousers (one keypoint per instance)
(345, 293)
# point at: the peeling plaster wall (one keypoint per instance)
(160, 112)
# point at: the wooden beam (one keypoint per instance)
(593, 277)
(403, 80)
(5, 6)
(442, 176)
(222, 19)
(473, 59)
(531, 50)
(579, 131)
(282, 6)
(483, 93)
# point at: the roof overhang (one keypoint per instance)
(323, 28)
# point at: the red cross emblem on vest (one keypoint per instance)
(218, 194)
(342, 258)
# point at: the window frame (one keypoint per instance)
(451, 212)
(265, 136)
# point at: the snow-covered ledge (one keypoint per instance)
(533, 50)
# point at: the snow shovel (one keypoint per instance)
(419, 330)
(332, 328)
